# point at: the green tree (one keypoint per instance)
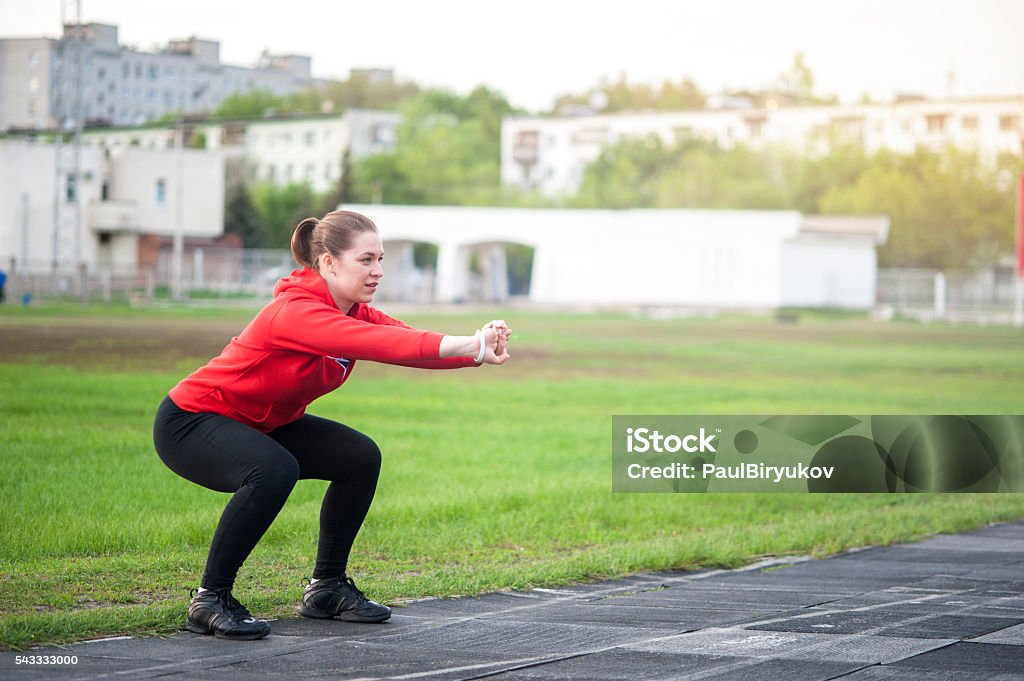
(647, 173)
(282, 208)
(798, 81)
(622, 95)
(948, 209)
(248, 104)
(380, 179)
(363, 92)
(242, 218)
(447, 152)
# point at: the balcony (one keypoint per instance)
(113, 216)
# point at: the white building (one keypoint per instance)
(550, 154)
(311, 148)
(123, 196)
(278, 150)
(121, 85)
(612, 258)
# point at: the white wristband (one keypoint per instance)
(483, 347)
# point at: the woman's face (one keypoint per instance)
(352, 277)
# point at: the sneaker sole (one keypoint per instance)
(196, 629)
(318, 614)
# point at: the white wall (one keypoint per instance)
(734, 259)
(818, 272)
(28, 170)
(134, 174)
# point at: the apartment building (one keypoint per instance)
(279, 150)
(550, 154)
(311, 149)
(121, 85)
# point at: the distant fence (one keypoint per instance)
(206, 273)
(987, 295)
(229, 273)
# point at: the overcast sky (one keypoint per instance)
(534, 50)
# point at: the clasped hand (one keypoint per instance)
(496, 337)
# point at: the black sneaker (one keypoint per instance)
(215, 611)
(339, 597)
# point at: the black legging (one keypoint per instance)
(261, 469)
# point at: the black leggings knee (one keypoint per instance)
(261, 470)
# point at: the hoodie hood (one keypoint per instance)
(305, 281)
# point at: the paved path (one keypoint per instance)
(947, 608)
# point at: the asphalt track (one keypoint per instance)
(947, 608)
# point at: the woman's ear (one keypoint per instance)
(326, 263)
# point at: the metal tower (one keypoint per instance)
(67, 204)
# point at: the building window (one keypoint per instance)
(328, 167)
(1009, 122)
(936, 123)
(138, 70)
(71, 188)
(755, 127)
(101, 73)
(126, 70)
(33, 59)
(310, 138)
(33, 84)
(584, 136)
(288, 173)
(153, 73)
(161, 192)
(309, 172)
(970, 123)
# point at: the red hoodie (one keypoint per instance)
(299, 347)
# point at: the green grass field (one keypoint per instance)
(493, 478)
